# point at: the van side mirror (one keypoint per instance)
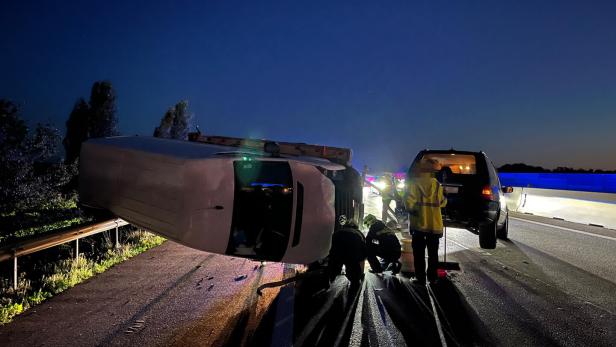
(507, 190)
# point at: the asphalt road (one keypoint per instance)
(552, 283)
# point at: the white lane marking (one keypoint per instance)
(461, 245)
(439, 327)
(358, 329)
(566, 229)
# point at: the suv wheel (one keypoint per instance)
(487, 235)
(503, 232)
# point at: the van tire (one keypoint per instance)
(487, 236)
(503, 232)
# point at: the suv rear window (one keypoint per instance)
(459, 164)
(262, 209)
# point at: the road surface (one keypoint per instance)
(552, 283)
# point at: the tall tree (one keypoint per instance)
(76, 130)
(164, 129)
(175, 123)
(103, 120)
(13, 129)
(13, 132)
(88, 120)
(181, 121)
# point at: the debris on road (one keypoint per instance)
(139, 324)
(210, 287)
(240, 277)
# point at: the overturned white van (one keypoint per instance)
(219, 199)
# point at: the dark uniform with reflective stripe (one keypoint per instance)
(348, 249)
(382, 242)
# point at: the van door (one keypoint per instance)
(262, 209)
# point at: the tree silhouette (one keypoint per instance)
(164, 130)
(175, 123)
(102, 121)
(29, 178)
(13, 129)
(181, 122)
(89, 120)
(76, 130)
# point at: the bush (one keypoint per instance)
(32, 177)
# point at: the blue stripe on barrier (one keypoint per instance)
(601, 183)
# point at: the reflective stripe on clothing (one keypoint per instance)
(424, 201)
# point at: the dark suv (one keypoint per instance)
(475, 198)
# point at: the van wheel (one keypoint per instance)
(503, 232)
(487, 236)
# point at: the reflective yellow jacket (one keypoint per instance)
(424, 202)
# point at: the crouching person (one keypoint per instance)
(348, 249)
(383, 243)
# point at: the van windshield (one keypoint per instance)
(262, 209)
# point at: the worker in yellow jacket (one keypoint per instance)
(424, 202)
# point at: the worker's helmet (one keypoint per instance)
(428, 165)
(369, 220)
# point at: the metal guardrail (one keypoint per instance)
(18, 249)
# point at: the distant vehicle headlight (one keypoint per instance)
(380, 184)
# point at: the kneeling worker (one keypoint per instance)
(424, 202)
(382, 242)
(348, 249)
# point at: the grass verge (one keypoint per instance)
(64, 274)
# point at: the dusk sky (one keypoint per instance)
(525, 81)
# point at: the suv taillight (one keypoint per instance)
(486, 193)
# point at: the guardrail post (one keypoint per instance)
(117, 237)
(76, 248)
(15, 273)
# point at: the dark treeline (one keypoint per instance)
(38, 185)
(33, 180)
(524, 168)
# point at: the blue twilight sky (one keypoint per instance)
(525, 81)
